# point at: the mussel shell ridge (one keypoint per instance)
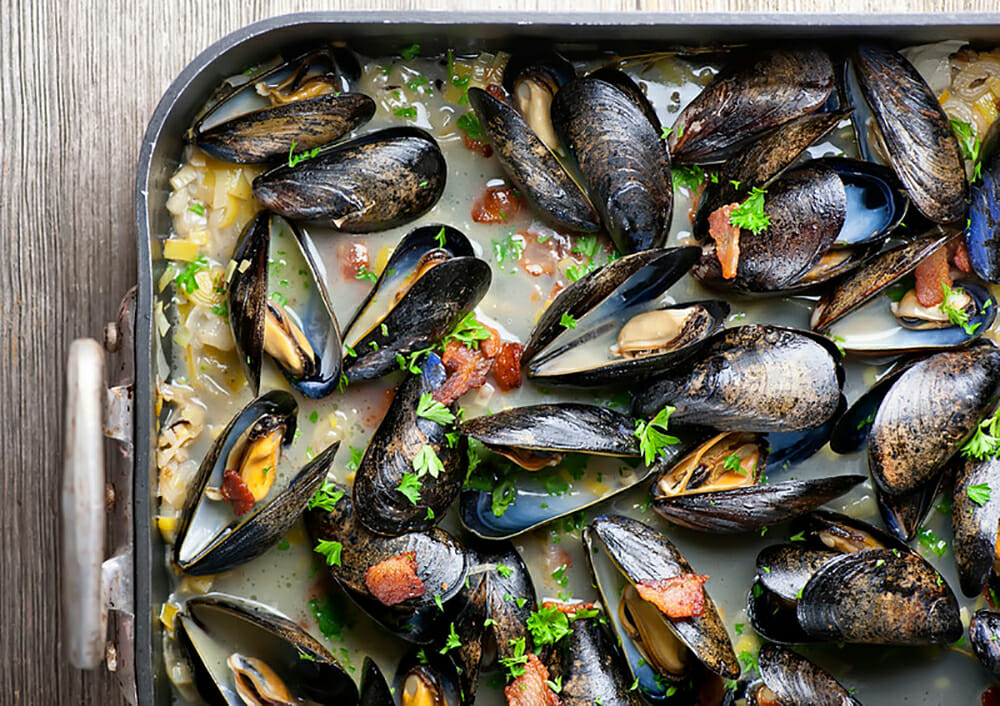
(796, 680)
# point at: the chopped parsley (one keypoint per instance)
(326, 498)
(221, 310)
(652, 435)
(515, 663)
(410, 486)
(957, 315)
(470, 125)
(732, 463)
(548, 625)
(416, 82)
(302, 156)
(898, 290)
(968, 140)
(979, 494)
(469, 332)
(185, 278)
(429, 408)
(688, 177)
(452, 640)
(931, 541)
(985, 443)
(441, 237)
(355, 461)
(365, 273)
(560, 577)
(750, 214)
(504, 495)
(504, 570)
(567, 320)
(410, 53)
(510, 247)
(407, 111)
(197, 208)
(330, 550)
(426, 462)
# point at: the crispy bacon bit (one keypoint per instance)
(353, 255)
(990, 697)
(695, 198)
(568, 609)
(544, 249)
(497, 92)
(961, 258)
(677, 597)
(507, 367)
(467, 370)
(235, 490)
(727, 239)
(497, 204)
(491, 346)
(481, 146)
(395, 580)
(530, 688)
(931, 273)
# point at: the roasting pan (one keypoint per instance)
(111, 604)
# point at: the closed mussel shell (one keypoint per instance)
(375, 182)
(796, 681)
(591, 667)
(752, 378)
(624, 162)
(401, 438)
(750, 96)
(983, 226)
(984, 634)
(975, 517)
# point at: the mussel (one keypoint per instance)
(399, 581)
(622, 329)
(751, 378)
(717, 487)
(664, 619)
(426, 680)
(603, 123)
(750, 96)
(243, 652)
(374, 689)
(288, 315)
(984, 634)
(789, 678)
(407, 446)
(982, 231)
(877, 310)
(294, 107)
(431, 280)
(371, 183)
(975, 518)
(912, 129)
(242, 468)
(847, 581)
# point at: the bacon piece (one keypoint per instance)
(568, 609)
(990, 697)
(491, 346)
(530, 688)
(467, 367)
(481, 146)
(236, 491)
(727, 239)
(497, 204)
(961, 258)
(353, 256)
(507, 366)
(395, 580)
(676, 597)
(497, 92)
(932, 272)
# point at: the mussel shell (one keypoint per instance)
(624, 163)
(975, 524)
(798, 682)
(749, 509)
(531, 166)
(807, 208)
(591, 666)
(271, 134)
(375, 182)
(560, 427)
(984, 634)
(248, 299)
(850, 432)
(904, 513)
(220, 624)
(374, 689)
(761, 162)
(751, 95)
(916, 132)
(928, 413)
(400, 436)
(983, 226)
(881, 597)
(773, 617)
(437, 674)
(587, 293)
(238, 540)
(785, 569)
(823, 527)
(752, 378)
(643, 554)
(431, 306)
(876, 201)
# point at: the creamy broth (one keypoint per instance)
(205, 380)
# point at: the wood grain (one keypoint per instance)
(80, 79)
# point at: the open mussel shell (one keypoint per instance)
(431, 280)
(540, 435)
(928, 413)
(850, 431)
(984, 634)
(515, 501)
(375, 182)
(401, 437)
(433, 564)
(424, 678)
(619, 547)
(290, 318)
(532, 167)
(531, 78)
(210, 538)
(591, 667)
(750, 96)
(904, 513)
(975, 517)
(374, 688)
(984, 211)
(623, 160)
(914, 130)
(752, 378)
(241, 649)
(793, 679)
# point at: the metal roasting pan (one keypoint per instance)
(111, 604)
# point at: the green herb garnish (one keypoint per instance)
(652, 435)
(979, 494)
(330, 550)
(326, 498)
(429, 408)
(409, 486)
(750, 214)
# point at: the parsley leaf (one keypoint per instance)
(410, 53)
(410, 486)
(441, 237)
(186, 279)
(688, 177)
(515, 663)
(504, 570)
(930, 540)
(750, 214)
(469, 332)
(452, 640)
(985, 443)
(429, 408)
(470, 125)
(951, 307)
(567, 320)
(968, 140)
(302, 156)
(652, 436)
(548, 625)
(733, 464)
(426, 462)
(510, 247)
(330, 550)
(979, 494)
(326, 498)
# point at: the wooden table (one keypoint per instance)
(80, 80)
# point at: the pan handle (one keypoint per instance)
(97, 502)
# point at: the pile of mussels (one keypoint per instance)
(587, 152)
